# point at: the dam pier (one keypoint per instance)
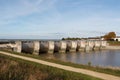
(62, 46)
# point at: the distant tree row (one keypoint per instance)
(109, 36)
(71, 38)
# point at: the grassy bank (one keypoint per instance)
(98, 69)
(114, 43)
(17, 69)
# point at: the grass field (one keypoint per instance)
(17, 69)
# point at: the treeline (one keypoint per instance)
(109, 36)
(71, 38)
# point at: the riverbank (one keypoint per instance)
(113, 43)
(19, 69)
(115, 47)
(88, 67)
(67, 68)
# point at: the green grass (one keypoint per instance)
(114, 43)
(97, 69)
(18, 69)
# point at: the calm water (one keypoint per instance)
(101, 58)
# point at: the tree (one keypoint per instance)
(63, 38)
(110, 35)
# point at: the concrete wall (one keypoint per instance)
(47, 47)
(36, 47)
(3, 45)
(97, 43)
(27, 47)
(32, 47)
(60, 46)
(7, 46)
(71, 46)
(103, 43)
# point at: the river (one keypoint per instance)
(97, 58)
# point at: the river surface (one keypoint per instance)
(98, 58)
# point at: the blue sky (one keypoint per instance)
(44, 19)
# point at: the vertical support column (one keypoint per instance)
(71, 46)
(87, 47)
(90, 44)
(51, 47)
(27, 47)
(47, 47)
(63, 46)
(97, 45)
(31, 47)
(103, 44)
(60, 46)
(36, 47)
(81, 44)
(18, 46)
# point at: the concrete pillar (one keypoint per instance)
(27, 47)
(71, 46)
(60, 46)
(97, 45)
(103, 44)
(81, 44)
(90, 44)
(18, 46)
(36, 45)
(47, 47)
(31, 47)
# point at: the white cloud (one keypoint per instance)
(22, 8)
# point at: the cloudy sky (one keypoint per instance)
(44, 19)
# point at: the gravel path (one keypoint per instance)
(68, 68)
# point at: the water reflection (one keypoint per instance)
(48, 56)
(101, 58)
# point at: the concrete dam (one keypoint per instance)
(62, 46)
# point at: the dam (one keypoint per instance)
(37, 47)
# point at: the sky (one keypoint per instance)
(54, 19)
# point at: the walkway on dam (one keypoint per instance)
(68, 68)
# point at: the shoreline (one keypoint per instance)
(102, 74)
(92, 68)
(108, 67)
(112, 47)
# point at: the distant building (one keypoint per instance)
(117, 38)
